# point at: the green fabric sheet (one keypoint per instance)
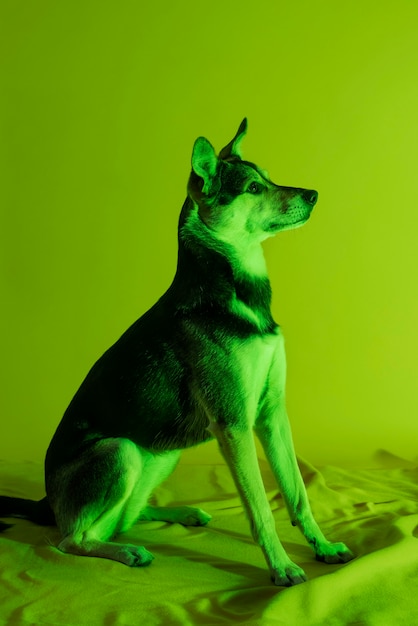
(215, 574)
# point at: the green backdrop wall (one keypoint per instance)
(101, 102)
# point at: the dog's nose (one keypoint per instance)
(310, 196)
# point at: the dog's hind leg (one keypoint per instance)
(154, 472)
(105, 491)
(185, 515)
(99, 495)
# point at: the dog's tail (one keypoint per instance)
(38, 512)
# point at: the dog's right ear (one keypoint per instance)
(233, 149)
(204, 162)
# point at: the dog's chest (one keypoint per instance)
(253, 360)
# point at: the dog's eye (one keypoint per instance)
(254, 188)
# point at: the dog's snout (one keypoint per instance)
(310, 196)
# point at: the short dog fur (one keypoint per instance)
(206, 361)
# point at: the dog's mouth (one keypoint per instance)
(275, 227)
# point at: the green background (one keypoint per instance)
(100, 104)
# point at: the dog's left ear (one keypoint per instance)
(204, 162)
(233, 148)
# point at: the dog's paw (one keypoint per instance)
(288, 576)
(136, 556)
(333, 553)
(190, 516)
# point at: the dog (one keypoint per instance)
(206, 361)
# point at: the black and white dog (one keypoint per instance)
(207, 360)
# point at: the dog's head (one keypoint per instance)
(235, 198)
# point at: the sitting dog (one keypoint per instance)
(206, 361)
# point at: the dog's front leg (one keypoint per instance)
(238, 448)
(273, 430)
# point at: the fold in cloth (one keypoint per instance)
(215, 574)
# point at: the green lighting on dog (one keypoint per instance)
(207, 360)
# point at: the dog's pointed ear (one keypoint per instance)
(233, 148)
(204, 161)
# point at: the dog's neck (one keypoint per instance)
(224, 277)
